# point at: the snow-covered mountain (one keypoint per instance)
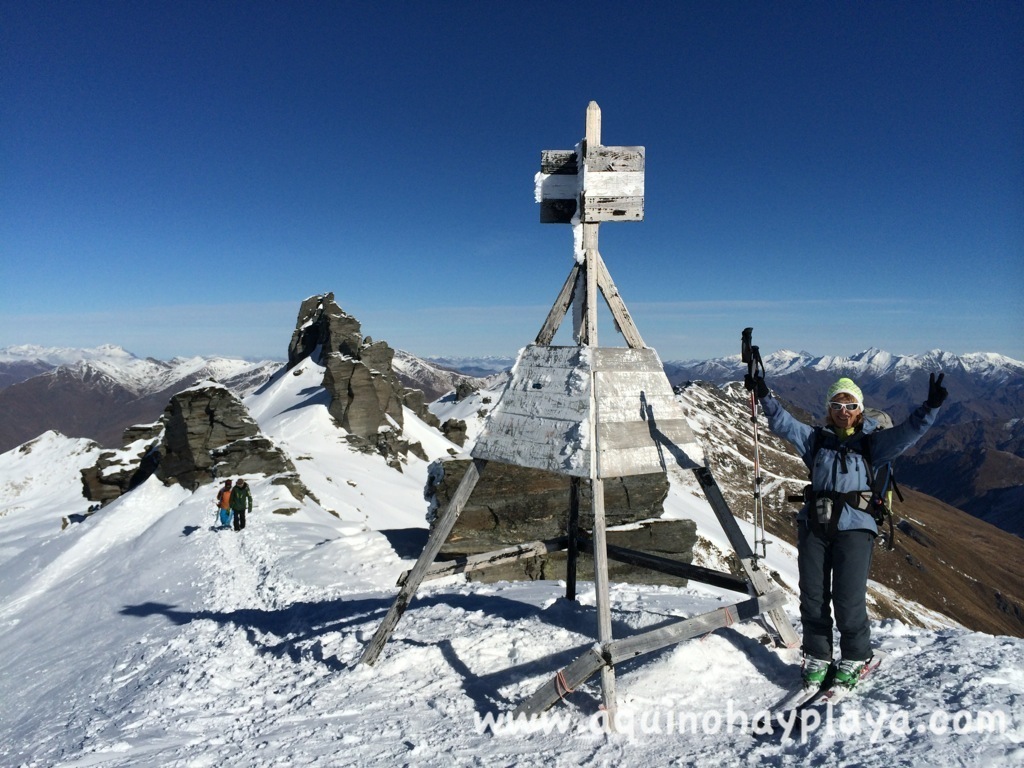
(871, 363)
(97, 392)
(432, 377)
(139, 376)
(480, 367)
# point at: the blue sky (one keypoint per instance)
(177, 177)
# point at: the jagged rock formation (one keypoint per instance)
(205, 433)
(512, 505)
(366, 395)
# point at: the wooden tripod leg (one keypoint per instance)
(603, 598)
(444, 526)
(760, 585)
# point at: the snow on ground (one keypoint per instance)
(144, 636)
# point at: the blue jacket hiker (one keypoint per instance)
(836, 528)
(224, 504)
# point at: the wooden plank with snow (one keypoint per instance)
(469, 563)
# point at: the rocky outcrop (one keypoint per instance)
(198, 422)
(205, 433)
(366, 395)
(117, 472)
(512, 505)
(455, 430)
(323, 328)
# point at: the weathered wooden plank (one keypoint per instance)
(558, 211)
(608, 184)
(623, 320)
(598, 209)
(559, 162)
(481, 562)
(655, 639)
(602, 593)
(560, 307)
(435, 541)
(615, 159)
(673, 567)
(606, 656)
(565, 681)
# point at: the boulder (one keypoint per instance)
(455, 430)
(197, 422)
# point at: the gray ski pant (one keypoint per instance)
(835, 572)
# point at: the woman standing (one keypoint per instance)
(836, 528)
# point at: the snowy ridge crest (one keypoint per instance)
(870, 362)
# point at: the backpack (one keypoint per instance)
(882, 480)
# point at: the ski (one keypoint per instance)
(786, 717)
(833, 694)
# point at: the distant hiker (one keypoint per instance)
(836, 528)
(224, 503)
(241, 502)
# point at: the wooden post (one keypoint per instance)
(572, 533)
(444, 526)
(601, 586)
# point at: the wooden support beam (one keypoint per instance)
(469, 563)
(561, 306)
(623, 320)
(437, 537)
(572, 533)
(601, 657)
(566, 681)
(675, 568)
(759, 582)
(656, 639)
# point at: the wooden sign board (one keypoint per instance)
(543, 419)
(610, 184)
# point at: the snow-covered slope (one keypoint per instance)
(141, 636)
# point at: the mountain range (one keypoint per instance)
(973, 459)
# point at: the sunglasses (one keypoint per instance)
(840, 406)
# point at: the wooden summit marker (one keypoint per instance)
(591, 413)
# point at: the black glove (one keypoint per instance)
(756, 385)
(936, 392)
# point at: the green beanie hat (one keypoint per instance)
(847, 386)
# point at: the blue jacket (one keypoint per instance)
(825, 467)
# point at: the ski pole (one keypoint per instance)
(751, 355)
